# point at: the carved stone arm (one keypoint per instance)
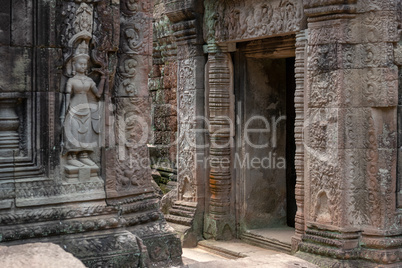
(99, 91)
(66, 103)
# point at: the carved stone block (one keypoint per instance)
(81, 174)
(376, 5)
(132, 75)
(338, 31)
(129, 249)
(15, 71)
(5, 22)
(240, 20)
(371, 28)
(107, 18)
(128, 167)
(136, 39)
(187, 106)
(324, 89)
(368, 87)
(186, 75)
(21, 23)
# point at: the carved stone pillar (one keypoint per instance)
(301, 42)
(186, 17)
(219, 220)
(350, 135)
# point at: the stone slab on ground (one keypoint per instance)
(282, 234)
(213, 256)
(37, 255)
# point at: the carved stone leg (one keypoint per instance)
(84, 158)
(73, 160)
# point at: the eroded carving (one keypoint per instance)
(240, 20)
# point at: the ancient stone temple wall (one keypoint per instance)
(163, 87)
(186, 18)
(75, 123)
(350, 132)
(346, 67)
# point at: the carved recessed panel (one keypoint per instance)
(187, 168)
(16, 69)
(244, 20)
(325, 189)
(132, 75)
(107, 23)
(135, 36)
(324, 89)
(131, 7)
(187, 76)
(128, 164)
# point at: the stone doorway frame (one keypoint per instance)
(291, 45)
(219, 56)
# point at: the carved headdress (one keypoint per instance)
(79, 35)
(81, 51)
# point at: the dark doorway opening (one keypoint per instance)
(265, 114)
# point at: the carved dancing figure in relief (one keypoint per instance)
(81, 122)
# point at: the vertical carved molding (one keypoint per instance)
(301, 42)
(127, 170)
(9, 123)
(219, 223)
(186, 18)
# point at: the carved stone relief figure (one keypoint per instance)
(241, 20)
(82, 109)
(81, 122)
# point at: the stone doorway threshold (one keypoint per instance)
(278, 238)
(238, 254)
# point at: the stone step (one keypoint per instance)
(179, 220)
(265, 242)
(183, 208)
(187, 237)
(182, 213)
(179, 228)
(221, 251)
(186, 204)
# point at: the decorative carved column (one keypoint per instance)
(350, 135)
(219, 220)
(301, 42)
(186, 17)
